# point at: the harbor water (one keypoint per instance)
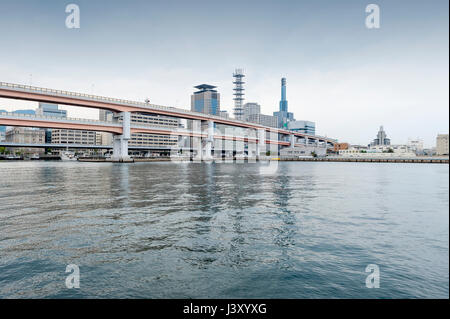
(224, 230)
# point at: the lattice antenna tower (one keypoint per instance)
(238, 94)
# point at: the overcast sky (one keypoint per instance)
(341, 75)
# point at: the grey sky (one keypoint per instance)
(345, 77)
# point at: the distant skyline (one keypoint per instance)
(341, 75)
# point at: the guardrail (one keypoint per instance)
(56, 118)
(111, 100)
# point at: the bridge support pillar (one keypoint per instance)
(260, 146)
(292, 145)
(207, 149)
(120, 143)
(196, 141)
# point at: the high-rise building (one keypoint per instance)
(251, 109)
(381, 138)
(305, 127)
(442, 144)
(206, 100)
(283, 102)
(283, 115)
(238, 94)
(252, 113)
(266, 120)
(49, 109)
(224, 114)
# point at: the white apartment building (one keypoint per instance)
(442, 144)
(64, 136)
(379, 151)
(416, 145)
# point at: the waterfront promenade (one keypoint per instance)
(429, 160)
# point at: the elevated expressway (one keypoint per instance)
(256, 134)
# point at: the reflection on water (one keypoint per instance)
(201, 230)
